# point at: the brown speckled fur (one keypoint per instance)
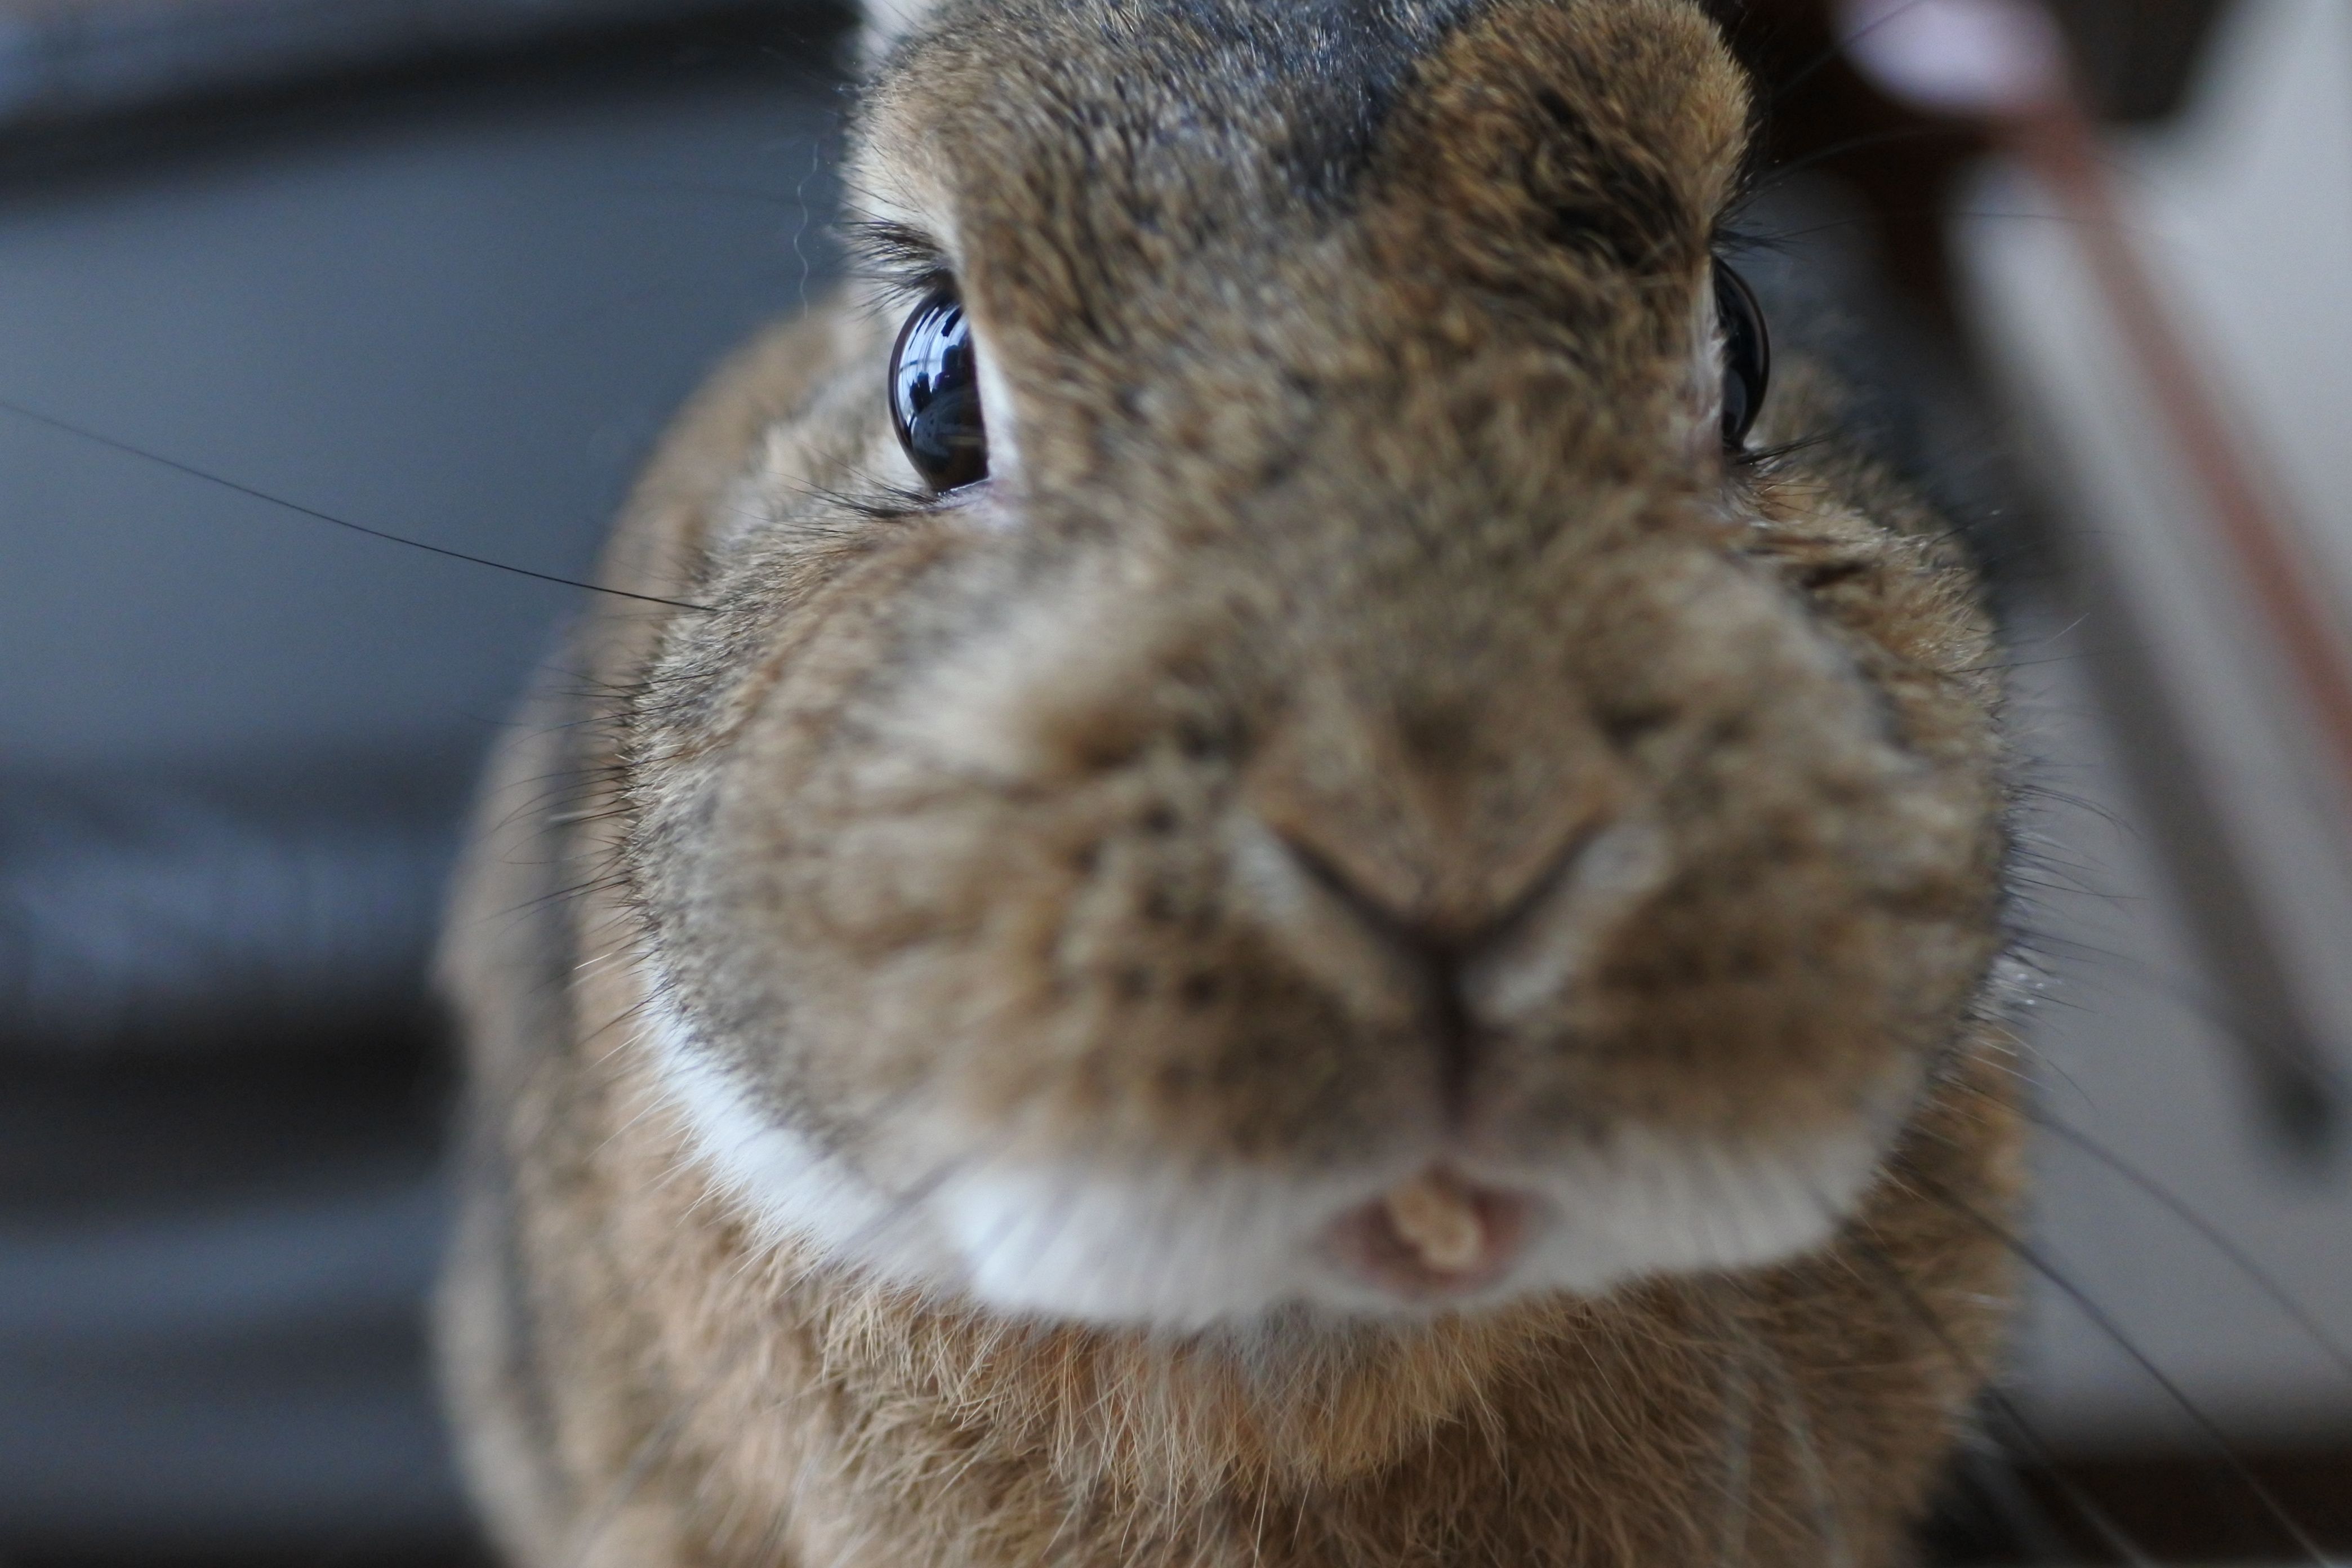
(1362, 459)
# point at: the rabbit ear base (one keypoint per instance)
(886, 21)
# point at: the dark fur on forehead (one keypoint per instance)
(1571, 156)
(1102, 144)
(1306, 85)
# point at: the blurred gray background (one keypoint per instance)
(455, 296)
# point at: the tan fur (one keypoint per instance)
(1384, 518)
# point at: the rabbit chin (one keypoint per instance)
(1185, 1250)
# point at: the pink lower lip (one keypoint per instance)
(1368, 1242)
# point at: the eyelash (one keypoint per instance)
(900, 264)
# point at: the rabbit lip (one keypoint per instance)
(1433, 1237)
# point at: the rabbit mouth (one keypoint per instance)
(1434, 1236)
(1184, 1246)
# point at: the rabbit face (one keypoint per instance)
(1368, 805)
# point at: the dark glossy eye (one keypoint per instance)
(1746, 354)
(935, 393)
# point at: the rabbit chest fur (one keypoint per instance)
(1377, 950)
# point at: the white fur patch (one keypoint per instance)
(1183, 1250)
(791, 1186)
(1184, 1253)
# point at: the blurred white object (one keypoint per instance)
(2244, 211)
(1980, 59)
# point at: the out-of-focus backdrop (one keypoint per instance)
(442, 268)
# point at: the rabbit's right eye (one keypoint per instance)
(935, 393)
(1747, 356)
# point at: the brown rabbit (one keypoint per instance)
(1273, 895)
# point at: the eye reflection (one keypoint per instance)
(1746, 354)
(935, 393)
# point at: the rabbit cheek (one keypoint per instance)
(1700, 1042)
(1106, 1103)
(1068, 983)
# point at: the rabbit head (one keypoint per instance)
(1380, 800)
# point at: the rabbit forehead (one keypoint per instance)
(1178, 238)
(1088, 154)
(1295, 90)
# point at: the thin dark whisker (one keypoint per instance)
(703, 188)
(1993, 1475)
(2239, 1258)
(656, 1447)
(2040, 885)
(192, 472)
(1969, 214)
(903, 1202)
(1828, 56)
(2317, 1088)
(1890, 1277)
(1739, 1445)
(1780, 172)
(649, 1453)
(2099, 1318)
(2027, 789)
(1998, 666)
(1796, 1422)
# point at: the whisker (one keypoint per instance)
(903, 1202)
(2238, 1257)
(1829, 56)
(650, 1452)
(1992, 1475)
(191, 470)
(1890, 1277)
(1779, 174)
(1739, 1437)
(2099, 1318)
(1796, 1421)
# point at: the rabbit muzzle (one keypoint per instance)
(1114, 958)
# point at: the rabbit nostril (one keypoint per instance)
(1530, 954)
(1424, 922)
(1390, 922)
(1524, 906)
(1435, 959)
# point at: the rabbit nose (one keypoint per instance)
(1467, 971)
(1392, 921)
(1444, 878)
(1389, 912)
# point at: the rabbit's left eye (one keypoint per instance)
(935, 393)
(1747, 356)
